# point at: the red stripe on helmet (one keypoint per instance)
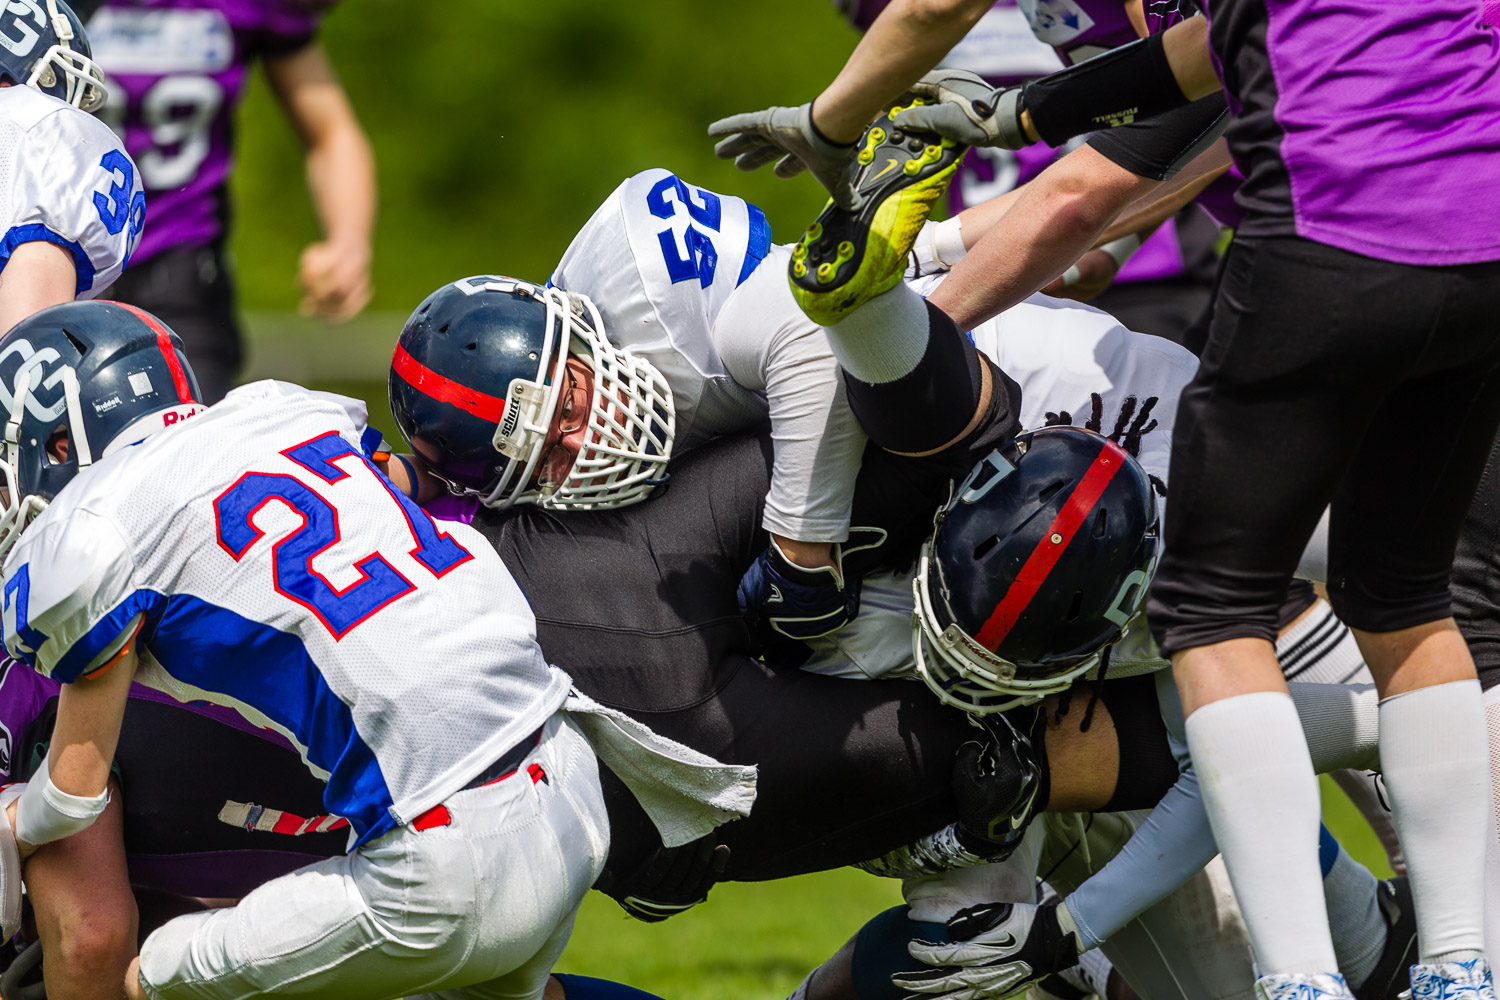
(1034, 573)
(164, 341)
(430, 383)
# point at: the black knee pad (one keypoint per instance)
(930, 405)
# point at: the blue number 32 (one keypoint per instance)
(118, 208)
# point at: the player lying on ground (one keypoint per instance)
(74, 209)
(136, 548)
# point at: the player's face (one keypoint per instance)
(566, 436)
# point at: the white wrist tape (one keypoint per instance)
(1119, 249)
(939, 246)
(46, 813)
(1122, 248)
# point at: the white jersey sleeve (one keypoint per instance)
(768, 344)
(70, 183)
(78, 607)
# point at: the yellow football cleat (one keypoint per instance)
(847, 257)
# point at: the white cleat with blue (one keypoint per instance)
(1293, 986)
(1468, 980)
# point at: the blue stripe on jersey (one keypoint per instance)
(106, 630)
(759, 243)
(35, 232)
(370, 441)
(270, 670)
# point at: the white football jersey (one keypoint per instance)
(1075, 365)
(66, 179)
(660, 258)
(276, 571)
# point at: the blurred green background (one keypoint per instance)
(498, 128)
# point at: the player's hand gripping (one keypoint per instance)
(998, 950)
(777, 595)
(754, 139)
(1000, 785)
(966, 109)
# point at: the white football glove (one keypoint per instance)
(10, 867)
(966, 109)
(756, 138)
(998, 950)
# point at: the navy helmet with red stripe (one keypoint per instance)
(103, 375)
(476, 386)
(1038, 564)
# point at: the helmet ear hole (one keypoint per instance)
(985, 547)
(58, 445)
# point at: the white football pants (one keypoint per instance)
(480, 907)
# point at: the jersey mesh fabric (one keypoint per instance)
(400, 707)
(64, 179)
(177, 71)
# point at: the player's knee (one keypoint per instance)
(92, 947)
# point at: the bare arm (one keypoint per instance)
(909, 38)
(85, 912)
(38, 275)
(340, 176)
(1186, 45)
(1055, 220)
(1164, 202)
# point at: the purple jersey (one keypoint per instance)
(1366, 125)
(1489, 14)
(177, 71)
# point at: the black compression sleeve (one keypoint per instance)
(1159, 147)
(1116, 88)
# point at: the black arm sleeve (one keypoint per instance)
(1116, 88)
(1159, 147)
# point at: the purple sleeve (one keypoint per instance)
(23, 693)
(1489, 14)
(452, 508)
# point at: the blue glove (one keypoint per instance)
(794, 602)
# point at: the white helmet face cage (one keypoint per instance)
(84, 80)
(631, 422)
(964, 674)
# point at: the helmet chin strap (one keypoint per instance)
(60, 23)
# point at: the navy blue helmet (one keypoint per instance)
(1038, 564)
(43, 45)
(102, 374)
(489, 370)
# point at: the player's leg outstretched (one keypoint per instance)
(849, 256)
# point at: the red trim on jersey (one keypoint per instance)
(537, 774)
(1034, 573)
(432, 818)
(445, 390)
(164, 341)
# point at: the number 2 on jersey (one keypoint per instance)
(379, 584)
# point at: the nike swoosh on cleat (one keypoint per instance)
(889, 166)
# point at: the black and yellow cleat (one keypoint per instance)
(847, 257)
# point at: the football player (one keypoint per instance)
(74, 208)
(148, 538)
(178, 73)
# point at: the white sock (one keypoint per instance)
(1434, 755)
(1262, 800)
(883, 339)
(1492, 845)
(1359, 929)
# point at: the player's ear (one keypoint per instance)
(59, 446)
